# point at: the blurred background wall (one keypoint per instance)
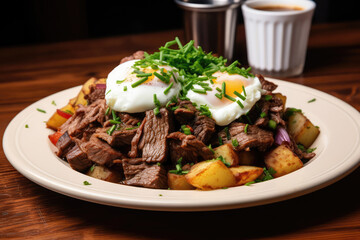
(45, 21)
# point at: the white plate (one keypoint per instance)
(338, 153)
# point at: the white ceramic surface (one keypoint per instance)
(338, 153)
(277, 41)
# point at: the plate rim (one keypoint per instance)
(83, 193)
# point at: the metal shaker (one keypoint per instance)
(211, 24)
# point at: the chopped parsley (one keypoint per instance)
(26, 126)
(53, 102)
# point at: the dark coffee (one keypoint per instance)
(277, 8)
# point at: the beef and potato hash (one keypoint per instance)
(181, 119)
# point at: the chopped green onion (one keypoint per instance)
(137, 83)
(223, 88)
(240, 104)
(162, 78)
(230, 98)
(235, 142)
(218, 89)
(211, 149)
(120, 81)
(243, 88)
(114, 121)
(179, 43)
(272, 124)
(40, 110)
(218, 95)
(114, 116)
(92, 167)
(125, 88)
(201, 91)
(137, 71)
(186, 130)
(312, 100)
(144, 75)
(226, 129)
(263, 114)
(156, 101)
(107, 111)
(111, 130)
(246, 128)
(220, 141)
(156, 111)
(108, 92)
(166, 91)
(239, 95)
(268, 97)
(204, 110)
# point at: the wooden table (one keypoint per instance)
(27, 210)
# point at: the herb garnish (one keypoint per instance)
(267, 175)
(86, 183)
(41, 110)
(312, 100)
(178, 167)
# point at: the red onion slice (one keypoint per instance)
(281, 136)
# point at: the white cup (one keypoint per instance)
(277, 40)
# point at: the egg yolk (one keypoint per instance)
(231, 87)
(150, 70)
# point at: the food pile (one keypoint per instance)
(181, 119)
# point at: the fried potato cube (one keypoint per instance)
(210, 174)
(301, 129)
(104, 173)
(178, 182)
(245, 174)
(283, 161)
(228, 153)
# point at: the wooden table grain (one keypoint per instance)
(28, 211)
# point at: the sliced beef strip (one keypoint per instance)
(204, 127)
(84, 115)
(135, 152)
(185, 113)
(254, 138)
(95, 94)
(187, 147)
(152, 140)
(133, 166)
(118, 138)
(100, 152)
(152, 176)
(64, 144)
(78, 159)
(266, 85)
(136, 55)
